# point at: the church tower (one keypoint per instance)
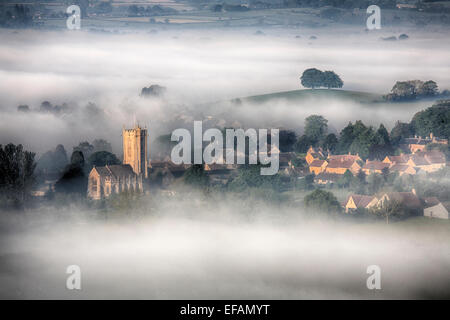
(135, 149)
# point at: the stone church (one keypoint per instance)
(110, 179)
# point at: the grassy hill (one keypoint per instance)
(298, 95)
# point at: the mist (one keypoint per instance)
(191, 249)
(202, 70)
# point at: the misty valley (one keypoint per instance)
(224, 150)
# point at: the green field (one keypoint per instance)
(298, 95)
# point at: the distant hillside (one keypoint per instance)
(298, 95)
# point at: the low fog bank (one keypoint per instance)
(191, 251)
(198, 68)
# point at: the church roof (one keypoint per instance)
(115, 171)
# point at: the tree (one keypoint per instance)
(85, 148)
(316, 127)
(382, 135)
(16, 173)
(312, 78)
(77, 159)
(287, 139)
(389, 209)
(346, 180)
(196, 176)
(375, 182)
(74, 179)
(435, 119)
(249, 176)
(101, 145)
(322, 201)
(363, 140)
(153, 91)
(53, 161)
(346, 138)
(330, 142)
(381, 146)
(23, 108)
(411, 89)
(302, 144)
(400, 131)
(429, 88)
(102, 158)
(332, 80)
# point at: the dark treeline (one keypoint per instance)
(370, 142)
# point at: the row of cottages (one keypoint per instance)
(104, 181)
(417, 143)
(357, 201)
(432, 207)
(421, 161)
(330, 168)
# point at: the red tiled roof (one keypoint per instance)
(333, 163)
(375, 165)
(361, 201)
(399, 159)
(419, 161)
(399, 167)
(317, 163)
(343, 157)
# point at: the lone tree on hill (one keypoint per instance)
(332, 80)
(314, 78)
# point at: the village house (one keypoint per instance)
(374, 167)
(402, 169)
(419, 144)
(317, 166)
(329, 170)
(429, 161)
(435, 209)
(401, 159)
(421, 161)
(409, 200)
(314, 154)
(339, 164)
(359, 201)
